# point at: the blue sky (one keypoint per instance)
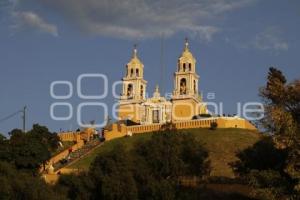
(234, 42)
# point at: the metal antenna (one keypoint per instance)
(162, 65)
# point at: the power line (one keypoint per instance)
(10, 116)
(23, 111)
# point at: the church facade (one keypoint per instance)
(184, 103)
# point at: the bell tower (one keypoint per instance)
(133, 89)
(134, 86)
(186, 99)
(186, 78)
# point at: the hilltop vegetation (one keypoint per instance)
(221, 144)
(153, 166)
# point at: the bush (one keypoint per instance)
(268, 184)
(263, 155)
(206, 115)
(262, 167)
(213, 126)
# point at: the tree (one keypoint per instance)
(50, 140)
(282, 106)
(77, 187)
(16, 184)
(263, 167)
(5, 153)
(263, 155)
(150, 169)
(112, 175)
(269, 184)
(162, 160)
(277, 159)
(171, 154)
(28, 151)
(2, 137)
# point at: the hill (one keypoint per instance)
(222, 144)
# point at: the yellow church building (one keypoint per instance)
(183, 105)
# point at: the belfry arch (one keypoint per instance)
(129, 90)
(182, 86)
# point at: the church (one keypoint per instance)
(184, 103)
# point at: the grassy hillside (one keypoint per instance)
(222, 144)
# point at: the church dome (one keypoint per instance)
(186, 54)
(135, 61)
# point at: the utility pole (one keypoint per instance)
(24, 118)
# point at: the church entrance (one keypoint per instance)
(155, 116)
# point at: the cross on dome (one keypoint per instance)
(134, 51)
(186, 43)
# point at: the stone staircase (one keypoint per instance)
(77, 154)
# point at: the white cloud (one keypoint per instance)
(205, 33)
(145, 18)
(270, 39)
(32, 20)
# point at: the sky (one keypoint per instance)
(42, 41)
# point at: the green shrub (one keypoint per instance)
(213, 126)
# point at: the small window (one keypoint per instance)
(142, 91)
(137, 72)
(184, 67)
(131, 72)
(190, 67)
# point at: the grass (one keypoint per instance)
(222, 145)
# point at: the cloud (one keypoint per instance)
(144, 18)
(205, 33)
(28, 19)
(270, 39)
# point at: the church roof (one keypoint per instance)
(135, 60)
(186, 54)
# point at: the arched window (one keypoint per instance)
(190, 67)
(195, 87)
(142, 91)
(129, 90)
(182, 86)
(131, 72)
(137, 72)
(184, 67)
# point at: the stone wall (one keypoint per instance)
(75, 136)
(223, 122)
